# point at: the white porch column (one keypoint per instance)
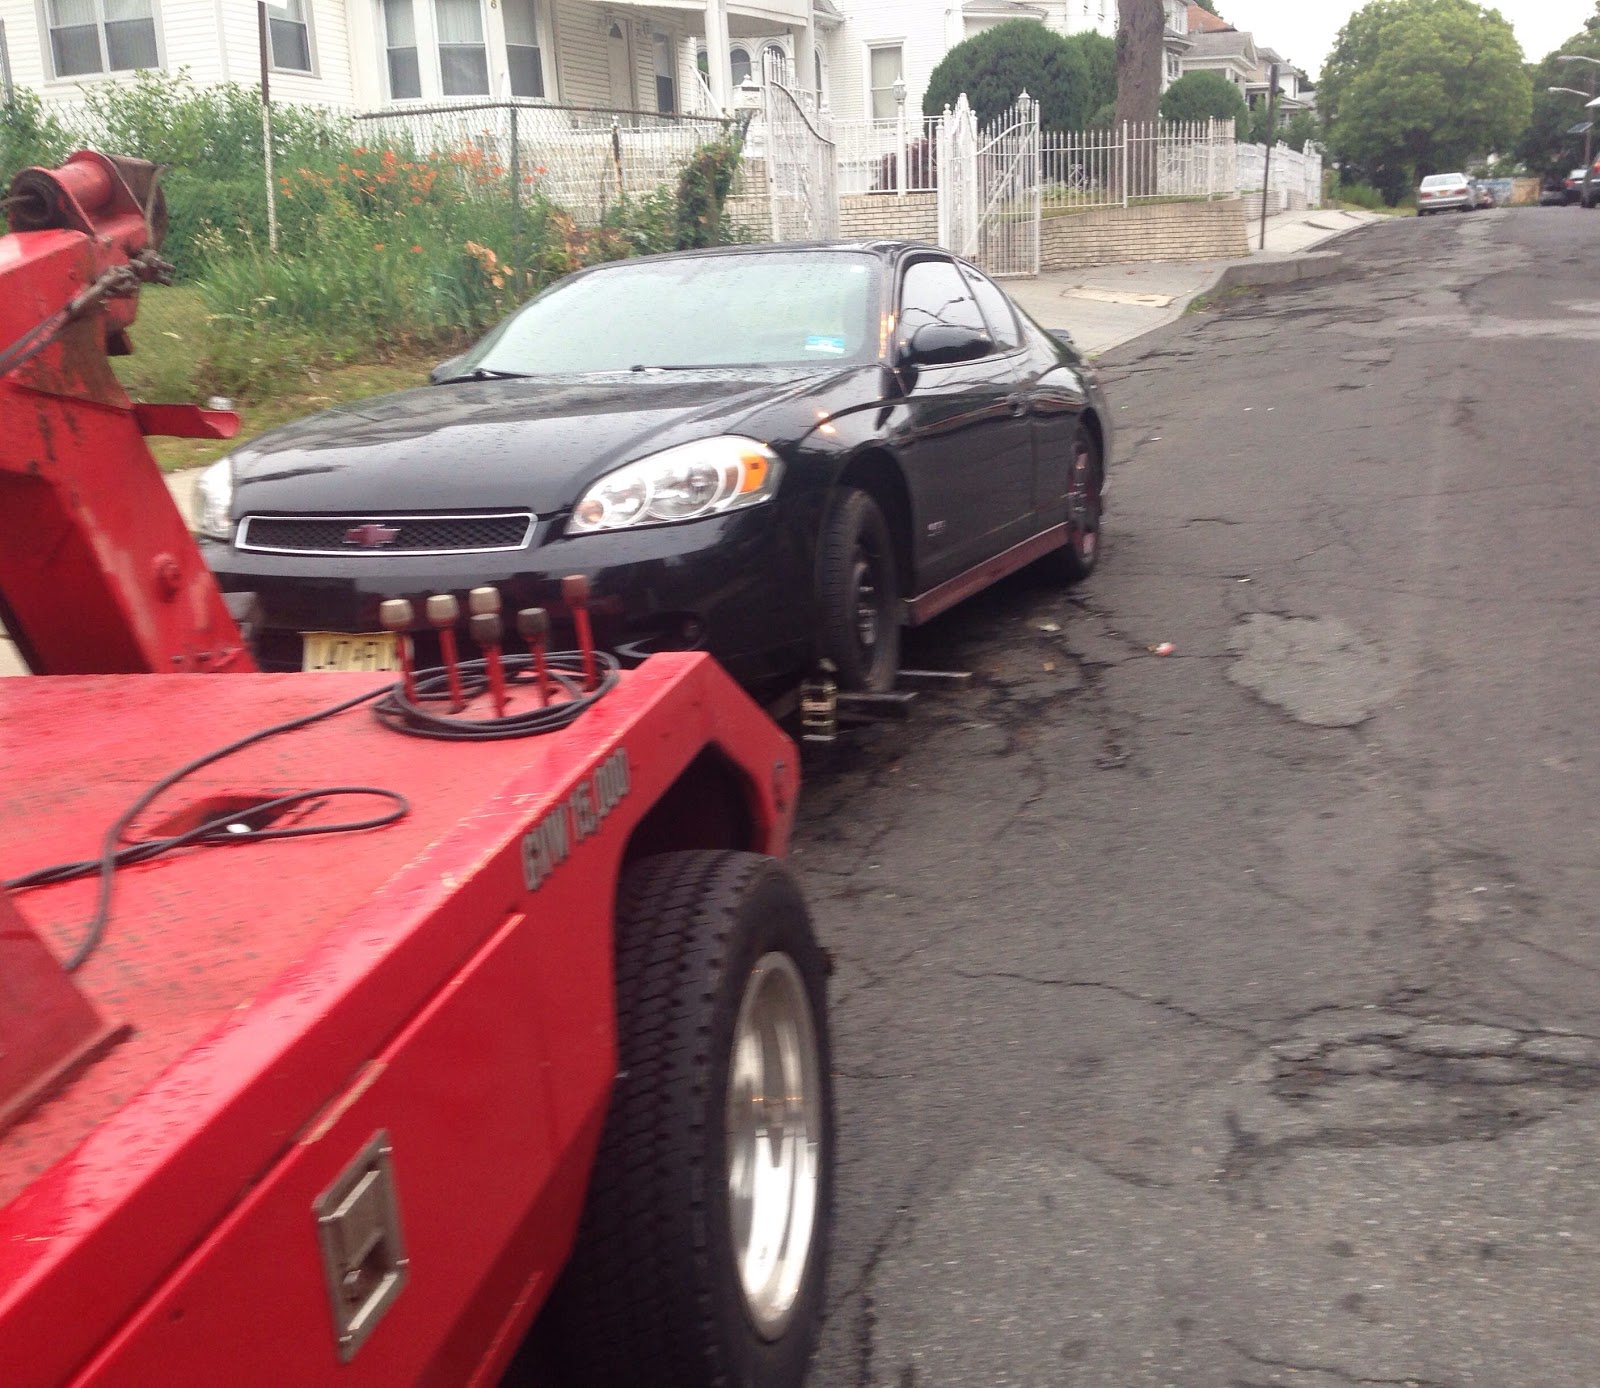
(805, 56)
(718, 77)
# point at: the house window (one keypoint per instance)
(816, 57)
(666, 76)
(289, 36)
(88, 36)
(463, 56)
(400, 39)
(885, 72)
(523, 61)
(739, 65)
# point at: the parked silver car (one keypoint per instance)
(1450, 192)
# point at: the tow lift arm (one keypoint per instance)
(98, 574)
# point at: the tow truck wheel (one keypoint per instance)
(704, 1243)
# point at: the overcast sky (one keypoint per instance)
(1304, 32)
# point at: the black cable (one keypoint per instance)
(110, 853)
(394, 710)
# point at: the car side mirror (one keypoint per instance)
(943, 344)
(445, 370)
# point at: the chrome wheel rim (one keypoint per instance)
(866, 585)
(1083, 518)
(774, 1127)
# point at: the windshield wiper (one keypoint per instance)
(484, 373)
(653, 366)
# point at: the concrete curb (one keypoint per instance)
(1290, 269)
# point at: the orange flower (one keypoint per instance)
(416, 250)
(377, 245)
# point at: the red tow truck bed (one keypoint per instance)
(443, 983)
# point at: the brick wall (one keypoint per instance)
(1162, 231)
(915, 217)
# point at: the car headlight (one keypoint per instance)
(213, 502)
(689, 482)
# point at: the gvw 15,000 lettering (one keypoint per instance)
(546, 845)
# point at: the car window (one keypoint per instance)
(996, 309)
(783, 308)
(933, 291)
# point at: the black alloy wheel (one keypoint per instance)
(858, 595)
(1077, 559)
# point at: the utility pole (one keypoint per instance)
(1272, 139)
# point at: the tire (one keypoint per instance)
(1076, 560)
(721, 1007)
(858, 595)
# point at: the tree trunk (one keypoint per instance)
(1140, 59)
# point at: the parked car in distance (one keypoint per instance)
(1572, 185)
(1553, 194)
(1451, 192)
(778, 454)
(1483, 195)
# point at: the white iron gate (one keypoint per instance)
(989, 193)
(802, 165)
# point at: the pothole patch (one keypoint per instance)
(1318, 670)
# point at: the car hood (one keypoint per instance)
(511, 444)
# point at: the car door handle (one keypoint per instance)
(1018, 403)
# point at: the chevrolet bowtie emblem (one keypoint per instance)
(371, 534)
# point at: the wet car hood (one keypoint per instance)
(512, 444)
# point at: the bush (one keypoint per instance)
(996, 66)
(922, 167)
(29, 136)
(1205, 96)
(1360, 195)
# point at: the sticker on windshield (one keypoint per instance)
(818, 342)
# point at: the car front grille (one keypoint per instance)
(377, 535)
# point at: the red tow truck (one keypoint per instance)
(350, 1026)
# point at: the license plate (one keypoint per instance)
(342, 651)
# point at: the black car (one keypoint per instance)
(778, 454)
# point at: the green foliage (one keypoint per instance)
(996, 66)
(1547, 147)
(1210, 6)
(1415, 87)
(703, 189)
(1360, 195)
(29, 136)
(1100, 58)
(1205, 96)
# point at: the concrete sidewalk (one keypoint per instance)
(1102, 308)
(1108, 305)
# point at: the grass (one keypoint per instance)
(169, 337)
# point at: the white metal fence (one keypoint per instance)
(1120, 165)
(887, 156)
(802, 165)
(1296, 178)
(989, 189)
(584, 159)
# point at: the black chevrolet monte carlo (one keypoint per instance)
(778, 454)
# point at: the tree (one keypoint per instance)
(1140, 59)
(1549, 147)
(1205, 96)
(1209, 6)
(1414, 87)
(1100, 56)
(996, 66)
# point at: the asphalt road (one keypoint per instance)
(1230, 1017)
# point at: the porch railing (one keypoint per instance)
(887, 156)
(1118, 166)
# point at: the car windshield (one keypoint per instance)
(1442, 180)
(784, 308)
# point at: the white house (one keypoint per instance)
(620, 54)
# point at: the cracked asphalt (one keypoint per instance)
(1230, 1017)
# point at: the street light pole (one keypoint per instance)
(1588, 135)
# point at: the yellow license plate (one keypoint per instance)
(342, 651)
